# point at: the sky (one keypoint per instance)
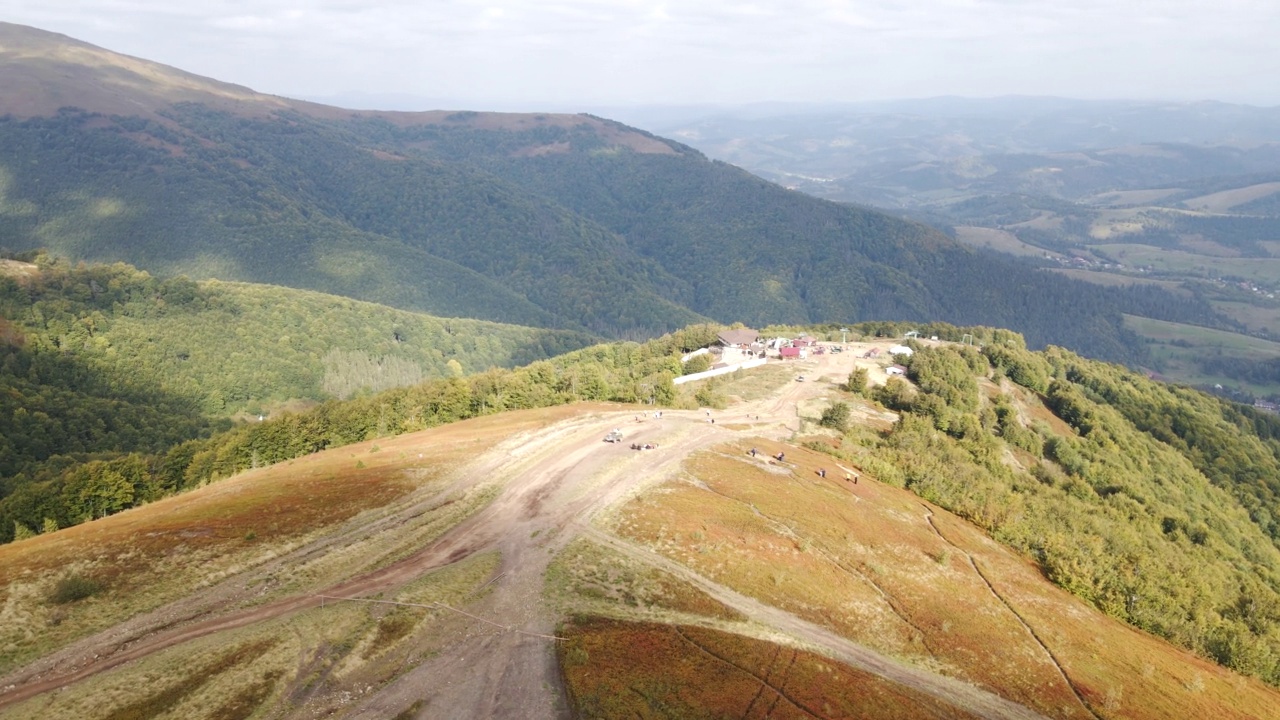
(580, 54)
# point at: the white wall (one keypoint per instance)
(718, 371)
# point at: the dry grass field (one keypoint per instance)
(265, 519)
(615, 669)
(517, 566)
(879, 566)
(1000, 241)
(1224, 201)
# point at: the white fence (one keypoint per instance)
(718, 371)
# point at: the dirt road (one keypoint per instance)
(553, 482)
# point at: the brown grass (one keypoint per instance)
(1120, 671)
(17, 269)
(169, 697)
(151, 555)
(317, 659)
(589, 576)
(867, 562)
(1000, 241)
(644, 670)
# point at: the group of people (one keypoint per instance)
(822, 472)
(780, 457)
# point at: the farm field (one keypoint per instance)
(1000, 241)
(1257, 318)
(1179, 349)
(1226, 200)
(1181, 262)
(1110, 279)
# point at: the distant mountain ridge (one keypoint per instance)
(568, 221)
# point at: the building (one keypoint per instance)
(895, 370)
(742, 338)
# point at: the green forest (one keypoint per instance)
(100, 361)
(1155, 503)
(551, 225)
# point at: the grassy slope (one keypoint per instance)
(617, 669)
(877, 565)
(870, 562)
(152, 555)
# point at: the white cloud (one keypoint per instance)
(599, 51)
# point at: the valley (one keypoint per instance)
(1152, 201)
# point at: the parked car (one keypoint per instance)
(613, 436)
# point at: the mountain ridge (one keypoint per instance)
(569, 221)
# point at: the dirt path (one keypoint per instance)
(554, 481)
(962, 695)
(1053, 659)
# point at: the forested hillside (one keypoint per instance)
(1154, 503)
(103, 361)
(550, 220)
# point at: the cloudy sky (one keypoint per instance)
(572, 54)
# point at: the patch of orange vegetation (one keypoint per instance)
(280, 502)
(11, 334)
(1119, 670)
(881, 567)
(17, 269)
(1035, 410)
(620, 669)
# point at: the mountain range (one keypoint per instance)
(1181, 196)
(566, 221)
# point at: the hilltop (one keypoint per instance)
(566, 221)
(514, 563)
